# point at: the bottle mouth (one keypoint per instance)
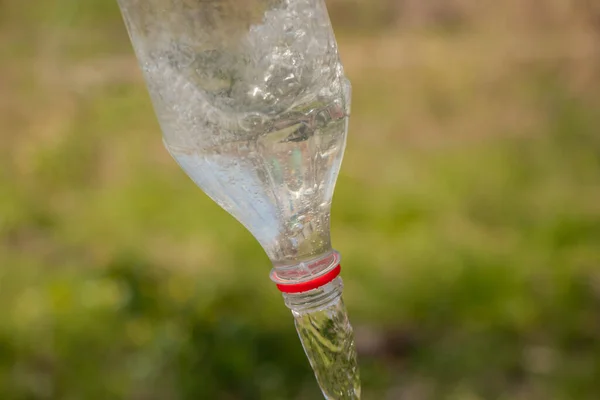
(307, 276)
(314, 299)
(315, 283)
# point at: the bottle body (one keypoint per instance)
(253, 104)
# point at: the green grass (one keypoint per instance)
(467, 213)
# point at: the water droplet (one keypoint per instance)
(252, 122)
(186, 55)
(322, 118)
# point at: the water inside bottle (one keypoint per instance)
(260, 125)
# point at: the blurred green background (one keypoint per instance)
(467, 213)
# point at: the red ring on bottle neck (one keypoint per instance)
(312, 284)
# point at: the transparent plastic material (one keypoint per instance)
(253, 104)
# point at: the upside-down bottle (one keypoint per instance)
(253, 104)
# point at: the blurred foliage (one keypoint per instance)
(467, 211)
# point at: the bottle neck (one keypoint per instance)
(314, 300)
(306, 270)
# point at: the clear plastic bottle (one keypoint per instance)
(253, 104)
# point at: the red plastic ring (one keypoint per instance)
(312, 284)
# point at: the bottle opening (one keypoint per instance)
(311, 284)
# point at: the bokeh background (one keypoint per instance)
(467, 213)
